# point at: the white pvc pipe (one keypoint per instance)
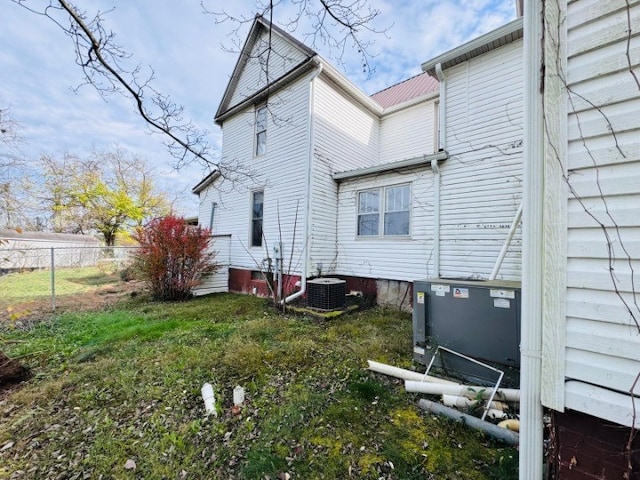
(458, 401)
(309, 181)
(507, 242)
(531, 448)
(436, 217)
(209, 399)
(470, 391)
(403, 374)
(507, 436)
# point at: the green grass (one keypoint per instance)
(16, 287)
(125, 384)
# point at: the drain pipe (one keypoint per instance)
(531, 427)
(442, 146)
(307, 221)
(436, 217)
(507, 242)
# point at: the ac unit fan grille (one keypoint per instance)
(326, 293)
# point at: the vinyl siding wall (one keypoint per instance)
(346, 137)
(281, 173)
(282, 57)
(603, 161)
(481, 182)
(386, 257)
(408, 133)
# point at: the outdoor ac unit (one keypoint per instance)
(326, 293)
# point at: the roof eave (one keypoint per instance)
(205, 182)
(390, 167)
(489, 41)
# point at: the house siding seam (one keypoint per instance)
(481, 182)
(603, 341)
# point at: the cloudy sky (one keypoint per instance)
(190, 56)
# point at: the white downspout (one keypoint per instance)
(442, 146)
(436, 218)
(309, 181)
(531, 431)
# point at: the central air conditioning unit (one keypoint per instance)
(326, 293)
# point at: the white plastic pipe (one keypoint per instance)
(403, 374)
(209, 399)
(507, 242)
(458, 401)
(507, 436)
(238, 396)
(470, 391)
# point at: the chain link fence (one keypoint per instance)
(18, 259)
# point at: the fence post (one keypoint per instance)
(53, 279)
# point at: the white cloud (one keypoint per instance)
(183, 45)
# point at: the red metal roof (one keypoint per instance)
(406, 90)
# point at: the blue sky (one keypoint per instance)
(189, 55)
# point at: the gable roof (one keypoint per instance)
(260, 25)
(489, 41)
(408, 89)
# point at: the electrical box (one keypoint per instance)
(326, 293)
(479, 319)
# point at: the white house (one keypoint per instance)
(377, 190)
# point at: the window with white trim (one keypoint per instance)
(384, 211)
(261, 130)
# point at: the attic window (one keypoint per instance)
(261, 130)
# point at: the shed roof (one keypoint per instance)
(406, 90)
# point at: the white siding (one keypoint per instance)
(219, 280)
(482, 180)
(265, 62)
(602, 348)
(385, 257)
(408, 133)
(281, 173)
(345, 138)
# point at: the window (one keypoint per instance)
(396, 210)
(257, 204)
(261, 131)
(368, 212)
(212, 217)
(394, 201)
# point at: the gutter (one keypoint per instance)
(442, 146)
(531, 431)
(309, 183)
(389, 167)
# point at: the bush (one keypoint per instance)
(173, 257)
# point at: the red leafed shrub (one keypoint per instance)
(173, 257)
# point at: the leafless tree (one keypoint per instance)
(108, 67)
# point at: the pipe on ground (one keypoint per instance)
(506, 394)
(507, 436)
(404, 374)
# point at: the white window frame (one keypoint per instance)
(260, 127)
(383, 212)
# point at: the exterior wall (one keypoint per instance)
(219, 280)
(345, 137)
(387, 258)
(282, 57)
(408, 133)
(600, 360)
(280, 173)
(481, 182)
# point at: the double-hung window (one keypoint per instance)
(257, 206)
(261, 130)
(385, 211)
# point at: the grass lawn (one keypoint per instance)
(124, 384)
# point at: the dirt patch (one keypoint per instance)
(24, 315)
(11, 373)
